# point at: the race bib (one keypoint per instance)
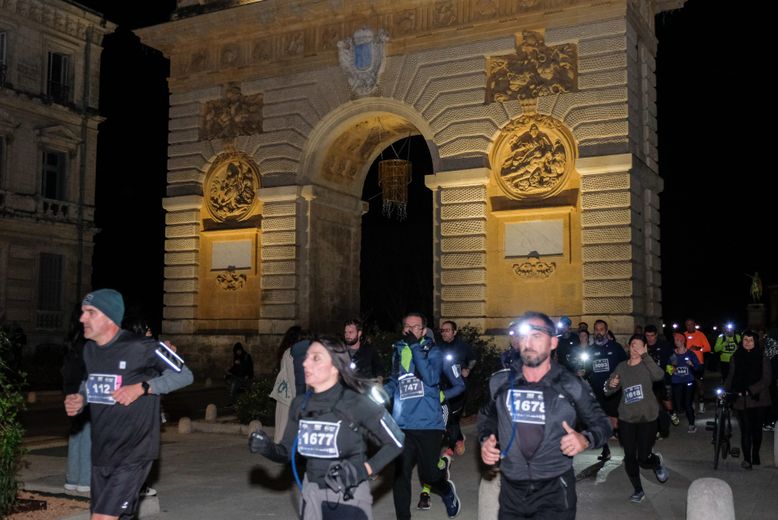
(633, 394)
(601, 365)
(682, 371)
(411, 387)
(318, 439)
(100, 388)
(526, 406)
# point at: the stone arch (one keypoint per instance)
(336, 160)
(385, 121)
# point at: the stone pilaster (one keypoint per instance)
(459, 249)
(620, 242)
(279, 258)
(182, 258)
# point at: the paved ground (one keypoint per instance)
(213, 476)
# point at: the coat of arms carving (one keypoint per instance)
(362, 59)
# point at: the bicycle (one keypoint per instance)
(722, 428)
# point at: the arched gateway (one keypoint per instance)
(539, 116)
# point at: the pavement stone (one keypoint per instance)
(213, 476)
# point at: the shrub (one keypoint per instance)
(487, 361)
(11, 431)
(256, 403)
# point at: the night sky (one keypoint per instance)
(714, 214)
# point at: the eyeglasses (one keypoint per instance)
(413, 327)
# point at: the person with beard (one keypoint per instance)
(364, 357)
(606, 354)
(749, 379)
(533, 408)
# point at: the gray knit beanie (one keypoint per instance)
(107, 301)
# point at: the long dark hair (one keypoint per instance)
(341, 359)
(292, 335)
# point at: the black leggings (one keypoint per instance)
(683, 399)
(638, 440)
(750, 421)
(422, 447)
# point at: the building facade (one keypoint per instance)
(539, 115)
(49, 85)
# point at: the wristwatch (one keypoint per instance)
(145, 385)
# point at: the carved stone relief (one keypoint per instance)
(230, 55)
(281, 41)
(231, 281)
(362, 59)
(294, 44)
(231, 187)
(444, 14)
(484, 9)
(533, 156)
(534, 267)
(404, 22)
(329, 38)
(198, 62)
(350, 151)
(535, 70)
(262, 50)
(232, 116)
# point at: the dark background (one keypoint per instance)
(716, 211)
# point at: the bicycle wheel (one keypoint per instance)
(716, 440)
(723, 436)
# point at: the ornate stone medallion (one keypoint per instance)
(533, 156)
(231, 187)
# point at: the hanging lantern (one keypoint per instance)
(394, 175)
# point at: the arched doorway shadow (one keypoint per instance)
(337, 167)
(396, 255)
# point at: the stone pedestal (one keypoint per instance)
(757, 316)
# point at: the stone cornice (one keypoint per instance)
(272, 37)
(61, 16)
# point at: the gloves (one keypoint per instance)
(410, 339)
(343, 476)
(259, 442)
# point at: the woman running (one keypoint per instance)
(328, 425)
